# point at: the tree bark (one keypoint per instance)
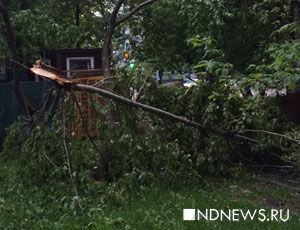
(106, 57)
(160, 75)
(11, 41)
(77, 21)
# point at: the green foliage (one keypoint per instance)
(240, 30)
(143, 143)
(40, 155)
(40, 26)
(142, 148)
(164, 39)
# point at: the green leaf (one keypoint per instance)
(278, 60)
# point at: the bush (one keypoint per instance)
(141, 147)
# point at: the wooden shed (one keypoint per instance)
(73, 61)
(83, 66)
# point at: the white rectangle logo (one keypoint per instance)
(189, 214)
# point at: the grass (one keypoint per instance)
(153, 207)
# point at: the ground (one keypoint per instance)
(150, 207)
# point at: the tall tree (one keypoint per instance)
(11, 41)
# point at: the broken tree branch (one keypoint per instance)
(110, 95)
(68, 156)
(271, 133)
(143, 85)
(123, 100)
(50, 73)
(50, 161)
(85, 125)
(99, 83)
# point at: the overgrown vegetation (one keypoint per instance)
(126, 177)
(156, 206)
(144, 146)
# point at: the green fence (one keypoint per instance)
(10, 108)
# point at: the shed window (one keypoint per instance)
(79, 63)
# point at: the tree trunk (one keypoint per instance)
(160, 75)
(11, 41)
(106, 57)
(112, 23)
(77, 21)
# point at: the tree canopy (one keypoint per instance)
(239, 30)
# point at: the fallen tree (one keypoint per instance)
(193, 144)
(55, 75)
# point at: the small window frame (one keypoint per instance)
(69, 59)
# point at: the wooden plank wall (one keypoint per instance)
(89, 115)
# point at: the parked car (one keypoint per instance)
(171, 84)
(190, 83)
